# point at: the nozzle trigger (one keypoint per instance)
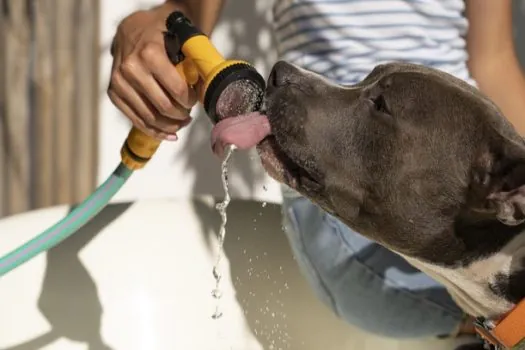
(173, 47)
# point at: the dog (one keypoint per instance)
(415, 159)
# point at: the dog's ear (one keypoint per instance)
(507, 185)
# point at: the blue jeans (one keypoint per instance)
(364, 283)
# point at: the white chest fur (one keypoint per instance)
(469, 286)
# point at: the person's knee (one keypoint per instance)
(348, 287)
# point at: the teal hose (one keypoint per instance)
(78, 217)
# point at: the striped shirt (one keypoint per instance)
(345, 39)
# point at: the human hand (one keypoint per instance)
(145, 85)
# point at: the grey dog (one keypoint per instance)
(416, 160)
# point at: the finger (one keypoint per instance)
(165, 72)
(167, 124)
(137, 121)
(145, 110)
(143, 82)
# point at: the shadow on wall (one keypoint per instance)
(244, 31)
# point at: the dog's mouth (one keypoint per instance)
(254, 130)
(283, 168)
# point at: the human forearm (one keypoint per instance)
(501, 78)
(492, 57)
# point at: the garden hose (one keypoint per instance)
(78, 217)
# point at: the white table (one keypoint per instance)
(139, 277)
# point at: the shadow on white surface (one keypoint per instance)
(139, 277)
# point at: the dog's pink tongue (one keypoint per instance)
(244, 131)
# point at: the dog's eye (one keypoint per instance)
(380, 104)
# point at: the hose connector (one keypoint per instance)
(138, 149)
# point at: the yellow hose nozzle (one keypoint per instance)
(196, 59)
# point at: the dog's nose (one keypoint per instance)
(282, 74)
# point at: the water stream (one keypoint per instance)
(221, 208)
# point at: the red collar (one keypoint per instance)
(506, 333)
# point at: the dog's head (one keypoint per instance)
(405, 157)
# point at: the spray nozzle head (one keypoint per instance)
(236, 90)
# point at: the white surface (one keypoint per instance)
(187, 167)
(139, 278)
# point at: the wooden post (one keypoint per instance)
(87, 51)
(65, 27)
(49, 52)
(3, 116)
(44, 90)
(16, 106)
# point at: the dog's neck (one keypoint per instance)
(490, 280)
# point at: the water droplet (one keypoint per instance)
(264, 204)
(216, 274)
(216, 293)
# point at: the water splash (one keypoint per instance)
(221, 208)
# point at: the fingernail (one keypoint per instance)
(173, 137)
